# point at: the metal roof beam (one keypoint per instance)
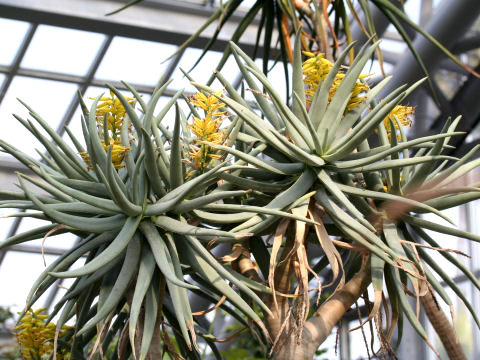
(445, 64)
(465, 103)
(139, 22)
(75, 79)
(380, 22)
(466, 44)
(452, 19)
(84, 85)
(18, 59)
(185, 7)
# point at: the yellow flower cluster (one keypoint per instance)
(114, 111)
(36, 338)
(315, 70)
(404, 115)
(206, 129)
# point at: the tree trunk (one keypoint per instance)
(155, 350)
(443, 327)
(321, 324)
(281, 324)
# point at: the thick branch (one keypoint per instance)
(331, 311)
(316, 330)
(327, 316)
(155, 351)
(443, 327)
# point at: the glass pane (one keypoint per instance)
(203, 70)
(5, 222)
(412, 9)
(53, 241)
(75, 124)
(327, 349)
(393, 46)
(169, 120)
(18, 271)
(245, 5)
(47, 98)
(62, 50)
(2, 77)
(135, 61)
(474, 134)
(276, 77)
(373, 69)
(9, 44)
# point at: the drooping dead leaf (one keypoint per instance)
(216, 306)
(193, 334)
(238, 250)
(169, 348)
(277, 243)
(55, 229)
(376, 307)
(332, 254)
(300, 232)
(97, 342)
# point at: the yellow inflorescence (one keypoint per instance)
(315, 70)
(114, 111)
(404, 115)
(206, 129)
(36, 338)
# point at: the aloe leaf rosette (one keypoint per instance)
(128, 198)
(148, 203)
(340, 146)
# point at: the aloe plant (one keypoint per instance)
(131, 222)
(144, 201)
(367, 192)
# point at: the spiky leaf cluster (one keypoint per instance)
(145, 226)
(133, 219)
(371, 194)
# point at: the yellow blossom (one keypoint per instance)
(196, 155)
(206, 129)
(404, 115)
(118, 154)
(315, 70)
(385, 184)
(115, 112)
(209, 104)
(111, 108)
(35, 337)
